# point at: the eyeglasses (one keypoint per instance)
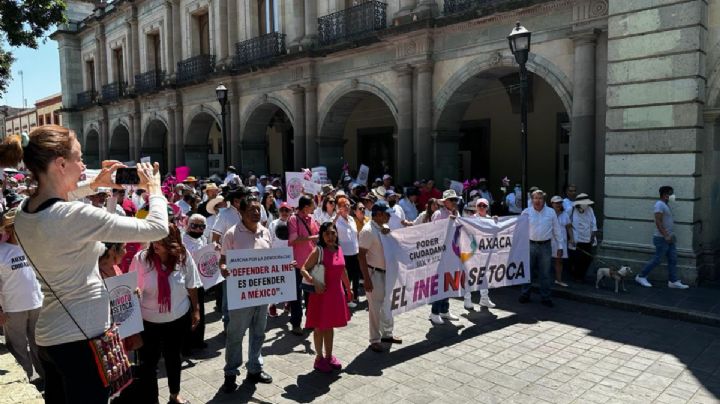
(331, 201)
(197, 226)
(360, 208)
(482, 205)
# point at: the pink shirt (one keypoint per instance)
(302, 249)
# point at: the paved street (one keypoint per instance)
(574, 353)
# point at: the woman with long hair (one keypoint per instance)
(327, 309)
(268, 208)
(168, 280)
(63, 240)
(326, 211)
(426, 215)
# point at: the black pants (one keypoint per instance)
(353, 268)
(296, 305)
(196, 337)
(580, 260)
(71, 375)
(166, 339)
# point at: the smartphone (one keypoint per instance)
(127, 176)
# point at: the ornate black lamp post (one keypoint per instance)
(222, 94)
(519, 40)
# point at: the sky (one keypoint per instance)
(41, 68)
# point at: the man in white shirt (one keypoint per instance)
(408, 204)
(544, 227)
(440, 310)
(397, 218)
(372, 265)
(570, 195)
(348, 241)
(232, 179)
(584, 225)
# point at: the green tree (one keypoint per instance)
(24, 23)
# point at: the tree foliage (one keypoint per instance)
(24, 23)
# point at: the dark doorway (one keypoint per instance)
(376, 149)
(474, 149)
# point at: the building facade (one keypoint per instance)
(46, 111)
(624, 96)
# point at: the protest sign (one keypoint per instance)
(363, 173)
(320, 175)
(443, 259)
(294, 187)
(181, 173)
(312, 188)
(111, 204)
(207, 260)
(125, 304)
(145, 159)
(259, 277)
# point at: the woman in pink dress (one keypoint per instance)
(327, 308)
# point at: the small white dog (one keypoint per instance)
(619, 275)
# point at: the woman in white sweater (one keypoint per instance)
(64, 240)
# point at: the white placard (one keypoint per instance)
(363, 174)
(312, 188)
(124, 303)
(259, 277)
(320, 175)
(145, 159)
(294, 187)
(111, 204)
(207, 260)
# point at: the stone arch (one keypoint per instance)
(119, 142)
(91, 149)
(203, 142)
(342, 138)
(154, 142)
(261, 149)
(536, 64)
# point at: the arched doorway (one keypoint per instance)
(154, 144)
(478, 132)
(120, 144)
(267, 144)
(359, 128)
(91, 151)
(204, 145)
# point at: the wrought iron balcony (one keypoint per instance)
(195, 69)
(353, 23)
(149, 82)
(113, 91)
(86, 99)
(258, 50)
(485, 7)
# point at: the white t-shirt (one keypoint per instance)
(183, 278)
(227, 218)
(396, 218)
(19, 289)
(369, 239)
(347, 235)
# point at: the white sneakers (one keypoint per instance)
(642, 281)
(677, 285)
(672, 285)
(468, 303)
(449, 316)
(485, 301)
(436, 319)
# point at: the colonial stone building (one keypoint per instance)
(624, 96)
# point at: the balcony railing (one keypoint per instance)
(486, 6)
(352, 23)
(86, 99)
(149, 82)
(260, 49)
(113, 91)
(196, 69)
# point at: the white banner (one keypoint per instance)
(320, 175)
(207, 260)
(442, 259)
(260, 277)
(312, 188)
(125, 304)
(363, 173)
(294, 187)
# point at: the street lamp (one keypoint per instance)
(222, 93)
(519, 40)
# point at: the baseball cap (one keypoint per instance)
(285, 205)
(387, 177)
(381, 206)
(556, 199)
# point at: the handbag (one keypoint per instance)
(318, 274)
(111, 360)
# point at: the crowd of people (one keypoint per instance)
(74, 233)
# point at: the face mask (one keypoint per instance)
(392, 203)
(368, 213)
(194, 235)
(581, 210)
(672, 198)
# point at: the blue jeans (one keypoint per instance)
(663, 249)
(440, 306)
(255, 319)
(540, 269)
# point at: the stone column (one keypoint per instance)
(404, 145)
(297, 26)
(177, 39)
(582, 134)
(234, 128)
(168, 40)
(102, 62)
(424, 119)
(233, 27)
(136, 139)
(299, 127)
(311, 24)
(311, 124)
(172, 145)
(179, 134)
(221, 30)
(104, 141)
(134, 45)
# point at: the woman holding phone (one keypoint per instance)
(63, 240)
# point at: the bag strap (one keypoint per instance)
(44, 206)
(299, 219)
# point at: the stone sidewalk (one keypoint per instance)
(14, 385)
(574, 353)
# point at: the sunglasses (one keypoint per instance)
(331, 201)
(360, 208)
(482, 205)
(197, 226)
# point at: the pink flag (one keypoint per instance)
(181, 173)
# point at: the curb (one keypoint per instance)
(644, 308)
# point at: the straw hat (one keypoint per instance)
(212, 203)
(450, 194)
(583, 200)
